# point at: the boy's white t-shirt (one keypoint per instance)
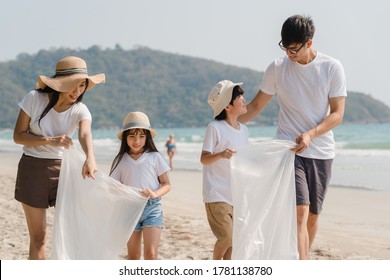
(303, 92)
(142, 173)
(217, 175)
(53, 124)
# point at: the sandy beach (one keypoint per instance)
(354, 225)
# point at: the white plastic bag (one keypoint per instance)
(93, 218)
(264, 212)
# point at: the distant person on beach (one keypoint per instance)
(311, 89)
(223, 135)
(139, 164)
(171, 149)
(48, 118)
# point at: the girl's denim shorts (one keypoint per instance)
(152, 215)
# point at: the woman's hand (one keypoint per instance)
(89, 168)
(61, 141)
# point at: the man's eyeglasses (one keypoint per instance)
(290, 50)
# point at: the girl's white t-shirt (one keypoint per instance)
(217, 175)
(53, 124)
(142, 173)
(303, 92)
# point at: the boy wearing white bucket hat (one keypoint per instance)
(48, 118)
(223, 136)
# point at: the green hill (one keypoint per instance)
(172, 89)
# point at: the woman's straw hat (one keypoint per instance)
(136, 120)
(69, 71)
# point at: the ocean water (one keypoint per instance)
(362, 151)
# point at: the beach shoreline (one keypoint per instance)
(354, 224)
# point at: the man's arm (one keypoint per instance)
(255, 106)
(337, 106)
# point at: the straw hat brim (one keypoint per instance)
(69, 83)
(135, 120)
(153, 133)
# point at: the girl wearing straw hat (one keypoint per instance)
(48, 118)
(140, 165)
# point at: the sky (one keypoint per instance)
(243, 33)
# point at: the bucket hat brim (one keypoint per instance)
(221, 95)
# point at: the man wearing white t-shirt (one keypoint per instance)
(310, 88)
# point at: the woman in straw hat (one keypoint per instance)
(48, 117)
(140, 165)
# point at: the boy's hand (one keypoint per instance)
(228, 153)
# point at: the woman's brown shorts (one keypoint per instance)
(220, 217)
(37, 181)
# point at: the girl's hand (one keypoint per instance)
(148, 193)
(89, 168)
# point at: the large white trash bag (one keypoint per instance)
(93, 218)
(264, 212)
